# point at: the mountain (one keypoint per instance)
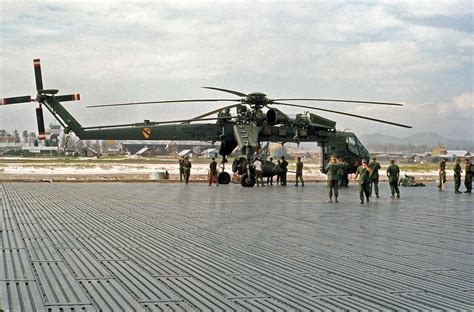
(428, 139)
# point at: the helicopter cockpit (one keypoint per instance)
(355, 146)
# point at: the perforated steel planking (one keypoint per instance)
(170, 247)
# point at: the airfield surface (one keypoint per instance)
(154, 247)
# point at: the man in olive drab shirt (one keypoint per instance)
(278, 175)
(345, 170)
(374, 165)
(340, 172)
(393, 174)
(270, 178)
(181, 169)
(299, 172)
(284, 166)
(213, 172)
(363, 173)
(469, 171)
(457, 176)
(442, 174)
(332, 170)
(187, 169)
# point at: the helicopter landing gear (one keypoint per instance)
(223, 178)
(247, 180)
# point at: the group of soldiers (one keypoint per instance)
(184, 169)
(367, 176)
(337, 171)
(457, 175)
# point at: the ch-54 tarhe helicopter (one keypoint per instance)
(247, 129)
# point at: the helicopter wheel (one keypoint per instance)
(247, 181)
(223, 178)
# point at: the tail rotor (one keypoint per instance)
(41, 97)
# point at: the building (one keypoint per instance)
(210, 153)
(452, 155)
(146, 152)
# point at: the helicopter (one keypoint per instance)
(257, 119)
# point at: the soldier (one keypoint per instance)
(278, 176)
(345, 172)
(341, 171)
(363, 173)
(284, 166)
(468, 176)
(457, 176)
(213, 172)
(393, 174)
(270, 178)
(181, 169)
(187, 169)
(299, 172)
(332, 170)
(374, 165)
(442, 174)
(258, 175)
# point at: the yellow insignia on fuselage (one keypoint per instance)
(146, 133)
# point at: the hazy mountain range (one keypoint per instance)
(428, 139)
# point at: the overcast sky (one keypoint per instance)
(415, 52)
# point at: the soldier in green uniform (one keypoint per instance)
(345, 170)
(457, 176)
(213, 172)
(284, 166)
(393, 174)
(270, 179)
(442, 174)
(374, 165)
(187, 169)
(363, 173)
(181, 169)
(299, 172)
(468, 177)
(332, 170)
(341, 172)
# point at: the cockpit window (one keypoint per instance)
(352, 145)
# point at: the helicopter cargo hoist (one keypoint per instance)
(256, 120)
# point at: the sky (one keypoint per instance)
(419, 53)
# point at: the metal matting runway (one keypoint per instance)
(171, 247)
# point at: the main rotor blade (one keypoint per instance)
(69, 97)
(228, 91)
(215, 111)
(162, 102)
(347, 114)
(157, 123)
(38, 78)
(16, 99)
(342, 101)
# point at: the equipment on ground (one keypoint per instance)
(256, 120)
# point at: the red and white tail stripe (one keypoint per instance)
(37, 62)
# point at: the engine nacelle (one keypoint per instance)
(274, 117)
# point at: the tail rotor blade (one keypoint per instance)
(69, 97)
(38, 78)
(16, 100)
(40, 121)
